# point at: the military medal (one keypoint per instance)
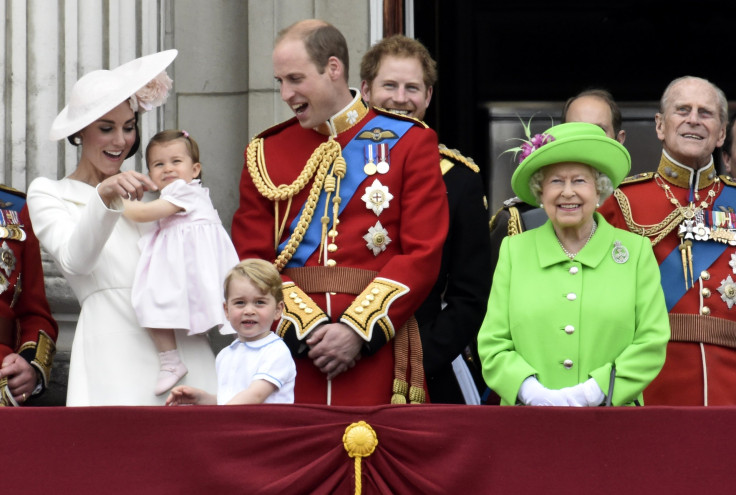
(7, 259)
(370, 167)
(377, 239)
(377, 197)
(728, 291)
(382, 166)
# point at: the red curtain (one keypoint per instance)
(427, 449)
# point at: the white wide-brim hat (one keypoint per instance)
(99, 91)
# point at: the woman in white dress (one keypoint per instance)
(79, 221)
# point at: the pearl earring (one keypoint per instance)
(77, 140)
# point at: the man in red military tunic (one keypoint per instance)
(27, 330)
(351, 204)
(687, 211)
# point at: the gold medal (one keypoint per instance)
(370, 168)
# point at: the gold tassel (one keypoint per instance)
(400, 391)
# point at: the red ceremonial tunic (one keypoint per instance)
(400, 238)
(26, 325)
(700, 368)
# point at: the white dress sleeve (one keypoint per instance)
(74, 237)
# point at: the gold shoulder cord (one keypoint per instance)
(658, 231)
(317, 166)
(514, 225)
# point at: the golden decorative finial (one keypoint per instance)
(359, 440)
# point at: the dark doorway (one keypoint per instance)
(532, 51)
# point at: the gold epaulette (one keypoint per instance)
(728, 180)
(632, 179)
(389, 113)
(457, 157)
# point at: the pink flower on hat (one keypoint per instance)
(536, 142)
(152, 94)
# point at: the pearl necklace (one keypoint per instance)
(572, 255)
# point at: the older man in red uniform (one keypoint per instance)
(351, 204)
(687, 211)
(27, 330)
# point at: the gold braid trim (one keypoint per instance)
(44, 351)
(514, 225)
(300, 311)
(317, 167)
(658, 231)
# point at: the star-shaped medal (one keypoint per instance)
(377, 197)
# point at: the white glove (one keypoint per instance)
(533, 393)
(584, 394)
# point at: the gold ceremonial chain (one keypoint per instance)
(656, 231)
(687, 213)
(317, 167)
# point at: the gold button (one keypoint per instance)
(359, 309)
(706, 292)
(332, 247)
(298, 300)
(331, 262)
(705, 310)
(705, 275)
(293, 295)
(309, 311)
(370, 297)
(375, 291)
(302, 306)
(365, 304)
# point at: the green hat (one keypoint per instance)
(576, 142)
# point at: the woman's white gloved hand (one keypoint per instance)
(533, 393)
(584, 394)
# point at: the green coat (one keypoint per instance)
(568, 320)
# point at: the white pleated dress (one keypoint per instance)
(183, 264)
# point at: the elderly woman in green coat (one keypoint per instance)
(576, 314)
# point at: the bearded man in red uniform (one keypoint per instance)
(349, 201)
(687, 211)
(27, 330)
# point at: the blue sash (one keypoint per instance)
(354, 176)
(704, 254)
